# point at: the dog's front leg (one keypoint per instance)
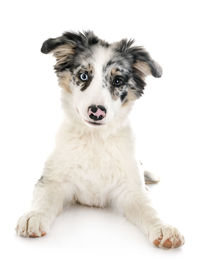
(48, 201)
(135, 205)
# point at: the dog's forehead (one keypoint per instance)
(97, 57)
(105, 59)
(102, 55)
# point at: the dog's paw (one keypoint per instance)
(32, 224)
(166, 236)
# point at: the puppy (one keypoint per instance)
(94, 160)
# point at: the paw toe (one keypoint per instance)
(156, 242)
(167, 243)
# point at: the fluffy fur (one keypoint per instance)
(94, 159)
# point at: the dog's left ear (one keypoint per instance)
(144, 63)
(140, 59)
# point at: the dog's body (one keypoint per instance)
(94, 160)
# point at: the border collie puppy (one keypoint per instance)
(94, 160)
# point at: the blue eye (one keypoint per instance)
(83, 77)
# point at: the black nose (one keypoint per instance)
(96, 113)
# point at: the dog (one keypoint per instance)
(94, 160)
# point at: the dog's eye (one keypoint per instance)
(83, 77)
(118, 81)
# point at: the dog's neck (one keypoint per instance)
(79, 128)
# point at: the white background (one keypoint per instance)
(166, 121)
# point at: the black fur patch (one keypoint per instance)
(86, 84)
(123, 96)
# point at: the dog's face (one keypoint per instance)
(101, 78)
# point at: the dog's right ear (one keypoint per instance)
(63, 48)
(52, 43)
(69, 39)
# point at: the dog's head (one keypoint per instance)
(100, 79)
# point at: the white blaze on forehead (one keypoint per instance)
(97, 93)
(101, 56)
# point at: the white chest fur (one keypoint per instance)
(94, 164)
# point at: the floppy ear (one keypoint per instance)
(141, 63)
(69, 39)
(139, 58)
(144, 63)
(63, 48)
(52, 43)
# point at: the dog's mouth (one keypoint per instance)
(94, 123)
(88, 122)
